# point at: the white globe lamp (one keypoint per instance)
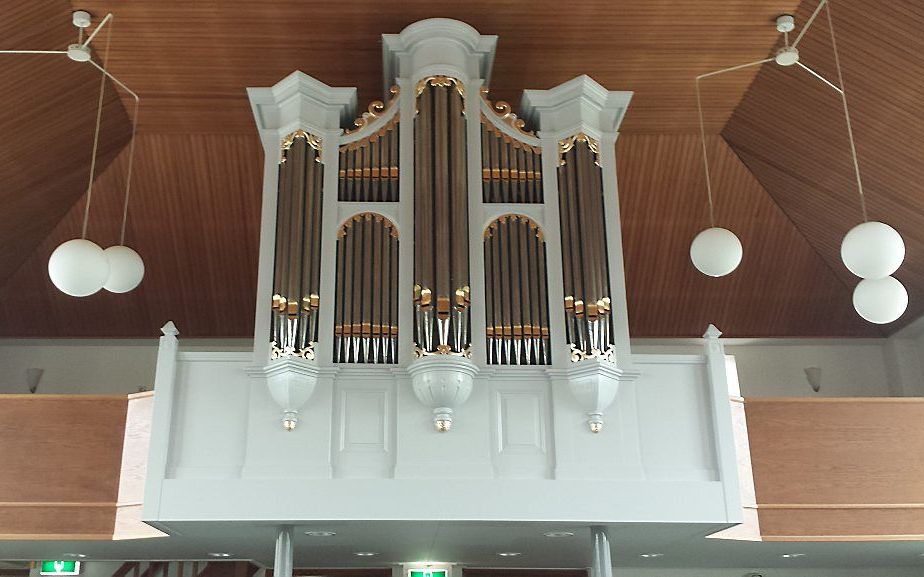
(872, 250)
(880, 300)
(716, 252)
(126, 269)
(78, 267)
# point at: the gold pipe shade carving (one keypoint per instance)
(441, 259)
(376, 109)
(516, 299)
(297, 263)
(369, 167)
(585, 270)
(366, 307)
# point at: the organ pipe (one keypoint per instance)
(366, 305)
(585, 269)
(516, 303)
(441, 258)
(369, 167)
(297, 264)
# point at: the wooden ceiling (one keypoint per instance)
(195, 207)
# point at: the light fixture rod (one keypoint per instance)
(98, 28)
(128, 178)
(809, 22)
(702, 127)
(843, 91)
(99, 116)
(33, 52)
(733, 68)
(822, 78)
(115, 80)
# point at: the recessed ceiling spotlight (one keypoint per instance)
(651, 555)
(792, 555)
(510, 554)
(365, 554)
(76, 555)
(320, 533)
(220, 555)
(557, 534)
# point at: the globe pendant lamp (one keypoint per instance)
(872, 250)
(80, 267)
(716, 252)
(881, 300)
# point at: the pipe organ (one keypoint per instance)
(297, 270)
(510, 251)
(441, 261)
(585, 274)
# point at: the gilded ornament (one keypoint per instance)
(505, 113)
(312, 140)
(376, 109)
(566, 144)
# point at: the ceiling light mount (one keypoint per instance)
(785, 23)
(787, 56)
(79, 53)
(81, 18)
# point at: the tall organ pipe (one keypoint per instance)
(585, 270)
(441, 257)
(517, 301)
(365, 310)
(297, 263)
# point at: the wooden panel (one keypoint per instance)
(782, 288)
(835, 467)
(790, 131)
(170, 51)
(61, 464)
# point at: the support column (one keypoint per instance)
(602, 563)
(282, 567)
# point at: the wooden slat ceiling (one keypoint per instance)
(46, 122)
(790, 132)
(196, 191)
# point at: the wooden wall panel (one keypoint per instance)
(830, 468)
(61, 463)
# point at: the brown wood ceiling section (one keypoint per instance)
(46, 122)
(191, 60)
(790, 132)
(782, 286)
(194, 218)
(196, 198)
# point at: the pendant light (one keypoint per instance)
(871, 250)
(80, 267)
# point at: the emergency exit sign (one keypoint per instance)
(427, 573)
(61, 568)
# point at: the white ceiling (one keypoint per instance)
(477, 544)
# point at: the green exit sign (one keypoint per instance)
(61, 568)
(427, 573)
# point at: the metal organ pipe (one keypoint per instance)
(297, 265)
(365, 314)
(584, 259)
(441, 260)
(516, 307)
